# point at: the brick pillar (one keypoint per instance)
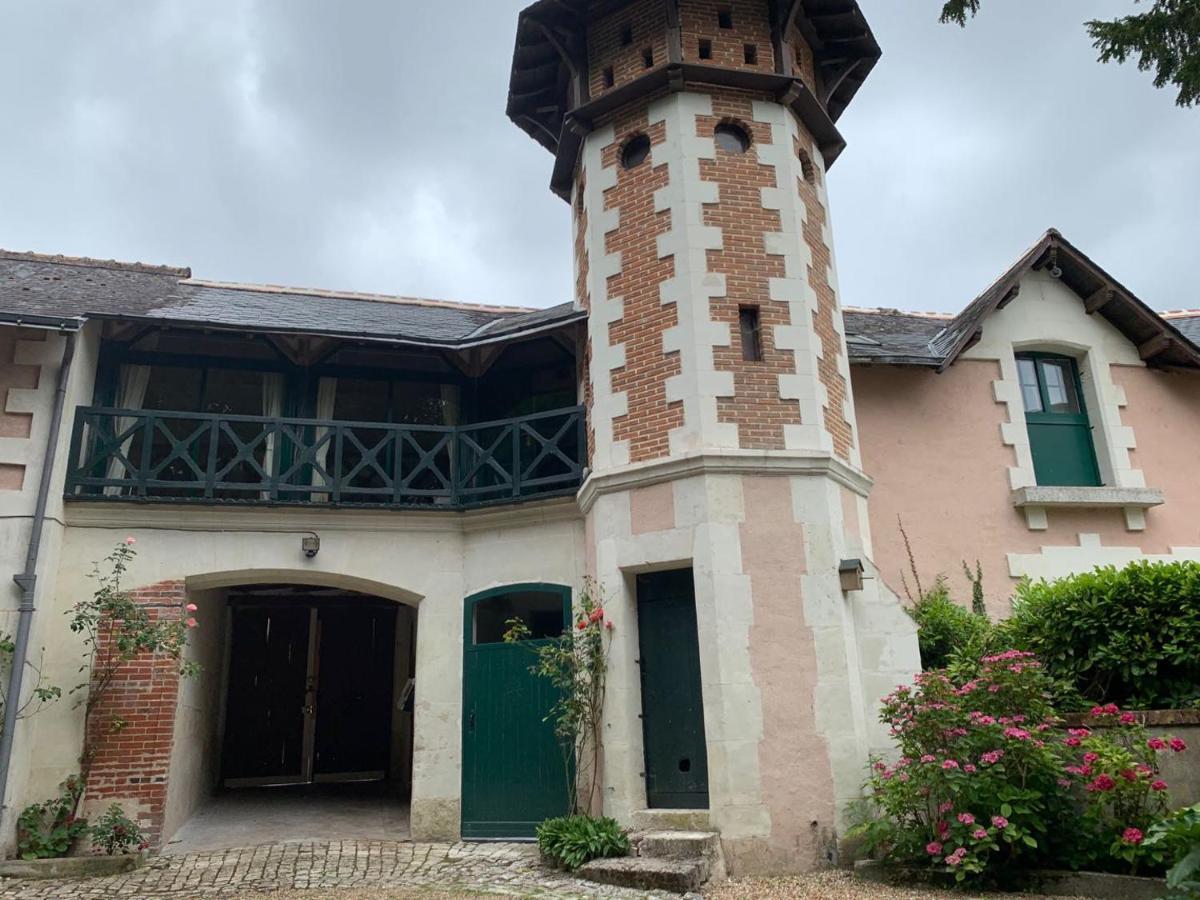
(131, 764)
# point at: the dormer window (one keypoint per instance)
(1060, 435)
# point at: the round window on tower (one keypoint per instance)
(731, 137)
(635, 151)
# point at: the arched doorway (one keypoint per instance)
(302, 718)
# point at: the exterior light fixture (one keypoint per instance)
(851, 573)
(311, 544)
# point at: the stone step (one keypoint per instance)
(679, 845)
(647, 873)
(671, 820)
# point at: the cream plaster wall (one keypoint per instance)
(429, 560)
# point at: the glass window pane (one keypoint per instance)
(1059, 376)
(1027, 369)
(233, 392)
(541, 611)
(174, 389)
(420, 403)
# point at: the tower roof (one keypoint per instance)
(548, 89)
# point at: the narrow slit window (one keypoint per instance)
(751, 328)
(608, 77)
(705, 48)
(750, 52)
(626, 35)
(725, 18)
(648, 58)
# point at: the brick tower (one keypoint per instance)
(691, 138)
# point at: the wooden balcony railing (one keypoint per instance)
(122, 454)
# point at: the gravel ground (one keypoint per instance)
(840, 886)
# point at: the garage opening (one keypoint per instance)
(313, 731)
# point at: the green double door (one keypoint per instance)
(513, 774)
(672, 699)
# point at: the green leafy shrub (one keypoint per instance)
(1178, 836)
(48, 830)
(1126, 636)
(115, 833)
(990, 785)
(944, 627)
(571, 841)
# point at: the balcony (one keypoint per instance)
(185, 457)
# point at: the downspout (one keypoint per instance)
(27, 580)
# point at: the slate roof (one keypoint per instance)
(929, 339)
(35, 286)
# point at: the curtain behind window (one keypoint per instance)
(131, 394)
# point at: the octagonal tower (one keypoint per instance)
(692, 138)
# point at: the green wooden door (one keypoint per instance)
(672, 700)
(1060, 435)
(513, 772)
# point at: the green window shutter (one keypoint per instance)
(1060, 435)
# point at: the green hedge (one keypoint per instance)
(1128, 636)
(945, 629)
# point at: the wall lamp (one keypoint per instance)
(311, 544)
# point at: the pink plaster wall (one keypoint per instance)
(793, 759)
(652, 508)
(932, 443)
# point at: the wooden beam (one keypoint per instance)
(674, 33)
(1156, 346)
(1099, 300)
(571, 59)
(1013, 293)
(832, 81)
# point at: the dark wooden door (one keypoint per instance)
(672, 702)
(513, 772)
(265, 717)
(354, 679)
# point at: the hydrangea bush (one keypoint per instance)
(990, 783)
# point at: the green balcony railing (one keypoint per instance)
(123, 454)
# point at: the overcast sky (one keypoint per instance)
(363, 145)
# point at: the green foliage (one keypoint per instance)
(1165, 38)
(1127, 635)
(39, 695)
(944, 627)
(117, 834)
(48, 830)
(571, 841)
(576, 664)
(978, 604)
(989, 785)
(1178, 835)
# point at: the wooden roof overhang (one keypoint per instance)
(549, 97)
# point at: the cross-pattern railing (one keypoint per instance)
(122, 454)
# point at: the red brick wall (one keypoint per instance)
(647, 19)
(756, 407)
(827, 309)
(131, 765)
(802, 60)
(751, 25)
(644, 318)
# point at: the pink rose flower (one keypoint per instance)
(949, 764)
(1129, 775)
(130, 541)
(1090, 757)
(1132, 836)
(191, 607)
(192, 623)
(1072, 742)
(1128, 718)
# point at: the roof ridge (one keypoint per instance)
(888, 310)
(355, 295)
(88, 262)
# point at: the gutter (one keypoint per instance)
(27, 579)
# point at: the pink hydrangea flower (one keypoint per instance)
(1090, 757)
(1132, 836)
(1178, 745)
(945, 808)
(1079, 732)
(949, 764)
(966, 818)
(1017, 734)
(979, 834)
(1102, 783)
(1072, 742)
(956, 857)
(1000, 822)
(929, 757)
(1156, 743)
(970, 769)
(933, 848)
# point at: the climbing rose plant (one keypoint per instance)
(990, 783)
(576, 664)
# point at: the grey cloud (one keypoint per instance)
(363, 145)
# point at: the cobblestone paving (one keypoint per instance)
(505, 869)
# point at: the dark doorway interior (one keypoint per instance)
(318, 689)
(672, 701)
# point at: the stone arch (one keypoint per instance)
(315, 578)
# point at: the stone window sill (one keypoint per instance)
(1134, 501)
